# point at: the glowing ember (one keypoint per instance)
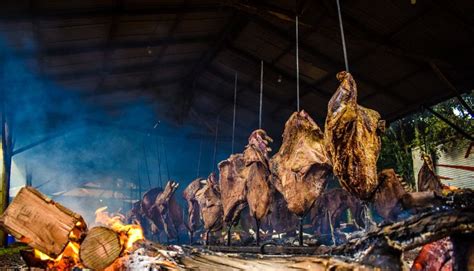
(129, 233)
(65, 261)
(69, 258)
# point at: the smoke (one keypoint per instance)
(90, 144)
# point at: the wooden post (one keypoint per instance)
(7, 149)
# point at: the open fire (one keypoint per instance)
(69, 258)
(129, 233)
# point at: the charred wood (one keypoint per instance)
(42, 223)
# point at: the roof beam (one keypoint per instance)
(129, 69)
(111, 11)
(269, 66)
(171, 31)
(232, 29)
(68, 50)
(106, 53)
(152, 85)
(324, 62)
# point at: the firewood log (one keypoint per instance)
(100, 248)
(42, 223)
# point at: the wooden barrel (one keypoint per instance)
(100, 248)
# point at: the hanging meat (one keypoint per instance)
(136, 216)
(427, 178)
(301, 167)
(329, 212)
(194, 215)
(232, 187)
(280, 219)
(259, 189)
(352, 138)
(210, 205)
(176, 215)
(387, 197)
(158, 206)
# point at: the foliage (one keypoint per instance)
(15, 249)
(426, 131)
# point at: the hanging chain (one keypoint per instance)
(166, 159)
(261, 96)
(158, 157)
(297, 69)
(342, 36)
(215, 144)
(146, 165)
(199, 159)
(235, 106)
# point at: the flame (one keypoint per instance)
(65, 261)
(69, 258)
(129, 233)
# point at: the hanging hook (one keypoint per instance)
(235, 106)
(341, 27)
(261, 96)
(297, 69)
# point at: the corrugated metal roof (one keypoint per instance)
(102, 47)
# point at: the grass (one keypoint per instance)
(14, 249)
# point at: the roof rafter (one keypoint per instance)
(129, 69)
(68, 50)
(236, 24)
(111, 11)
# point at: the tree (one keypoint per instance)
(426, 131)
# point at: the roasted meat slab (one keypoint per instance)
(352, 138)
(210, 205)
(259, 190)
(387, 197)
(194, 215)
(301, 166)
(427, 178)
(280, 219)
(232, 187)
(159, 206)
(330, 210)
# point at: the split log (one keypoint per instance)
(43, 224)
(100, 248)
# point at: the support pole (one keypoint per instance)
(229, 228)
(343, 37)
(452, 125)
(166, 159)
(301, 231)
(7, 150)
(261, 96)
(146, 165)
(257, 224)
(139, 182)
(448, 83)
(207, 238)
(158, 157)
(191, 236)
(215, 145)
